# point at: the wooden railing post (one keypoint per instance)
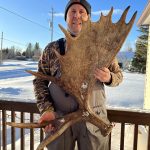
(22, 132)
(0, 129)
(12, 131)
(4, 135)
(122, 117)
(148, 140)
(122, 136)
(135, 137)
(31, 133)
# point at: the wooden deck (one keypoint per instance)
(16, 111)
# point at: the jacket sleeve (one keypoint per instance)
(46, 66)
(116, 74)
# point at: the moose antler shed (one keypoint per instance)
(96, 46)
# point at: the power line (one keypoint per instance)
(51, 24)
(14, 13)
(18, 43)
(58, 33)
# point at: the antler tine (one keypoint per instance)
(108, 16)
(68, 36)
(101, 17)
(132, 19)
(123, 17)
(104, 127)
(27, 125)
(43, 76)
(69, 119)
(110, 13)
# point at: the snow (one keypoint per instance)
(129, 94)
(16, 84)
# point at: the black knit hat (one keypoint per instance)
(84, 3)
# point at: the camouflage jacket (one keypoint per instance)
(48, 64)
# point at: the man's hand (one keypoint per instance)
(47, 116)
(103, 74)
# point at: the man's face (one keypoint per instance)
(76, 14)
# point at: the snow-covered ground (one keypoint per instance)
(129, 94)
(16, 84)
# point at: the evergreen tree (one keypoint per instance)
(29, 52)
(140, 57)
(36, 46)
(37, 51)
(12, 52)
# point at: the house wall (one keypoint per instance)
(147, 79)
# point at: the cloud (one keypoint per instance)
(105, 12)
(95, 13)
(59, 14)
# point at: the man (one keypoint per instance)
(52, 100)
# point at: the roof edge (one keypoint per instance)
(144, 15)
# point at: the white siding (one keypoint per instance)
(147, 82)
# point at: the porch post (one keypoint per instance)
(147, 77)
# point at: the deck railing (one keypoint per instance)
(17, 111)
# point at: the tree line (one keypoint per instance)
(138, 63)
(31, 52)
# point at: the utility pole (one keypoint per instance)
(51, 24)
(1, 54)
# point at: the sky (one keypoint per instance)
(27, 21)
